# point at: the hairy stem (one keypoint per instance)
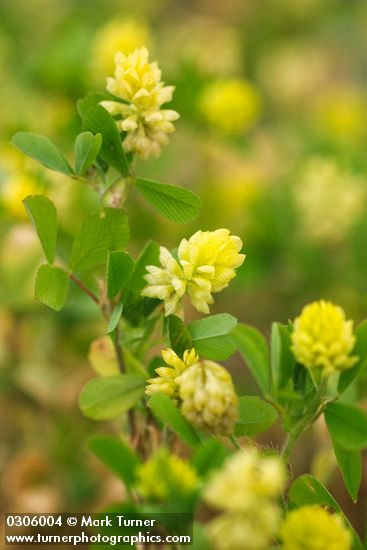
(290, 443)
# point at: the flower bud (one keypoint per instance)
(208, 399)
(323, 339)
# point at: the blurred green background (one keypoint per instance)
(273, 137)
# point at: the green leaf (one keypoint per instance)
(133, 365)
(256, 416)
(178, 335)
(92, 99)
(136, 307)
(97, 119)
(106, 398)
(282, 359)
(350, 464)
(347, 425)
(120, 267)
(97, 235)
(163, 407)
(211, 336)
(115, 317)
(306, 490)
(253, 348)
(44, 218)
(43, 150)
(117, 456)
(360, 350)
(86, 149)
(51, 286)
(148, 256)
(209, 456)
(176, 203)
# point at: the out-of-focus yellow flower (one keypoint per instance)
(323, 339)
(246, 490)
(321, 219)
(214, 48)
(208, 399)
(293, 73)
(206, 264)
(16, 183)
(313, 528)
(117, 35)
(246, 479)
(139, 84)
(342, 114)
(165, 474)
(16, 189)
(166, 382)
(253, 531)
(231, 105)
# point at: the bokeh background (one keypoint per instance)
(273, 137)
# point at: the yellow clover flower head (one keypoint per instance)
(165, 474)
(341, 114)
(138, 83)
(206, 264)
(208, 398)
(313, 528)
(323, 339)
(247, 479)
(231, 105)
(246, 491)
(322, 220)
(253, 531)
(166, 382)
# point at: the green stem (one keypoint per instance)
(317, 408)
(235, 442)
(290, 443)
(83, 288)
(118, 349)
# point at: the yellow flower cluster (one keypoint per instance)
(322, 220)
(206, 264)
(203, 389)
(313, 528)
(323, 339)
(138, 83)
(246, 490)
(165, 474)
(16, 183)
(231, 105)
(166, 381)
(208, 398)
(248, 478)
(340, 112)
